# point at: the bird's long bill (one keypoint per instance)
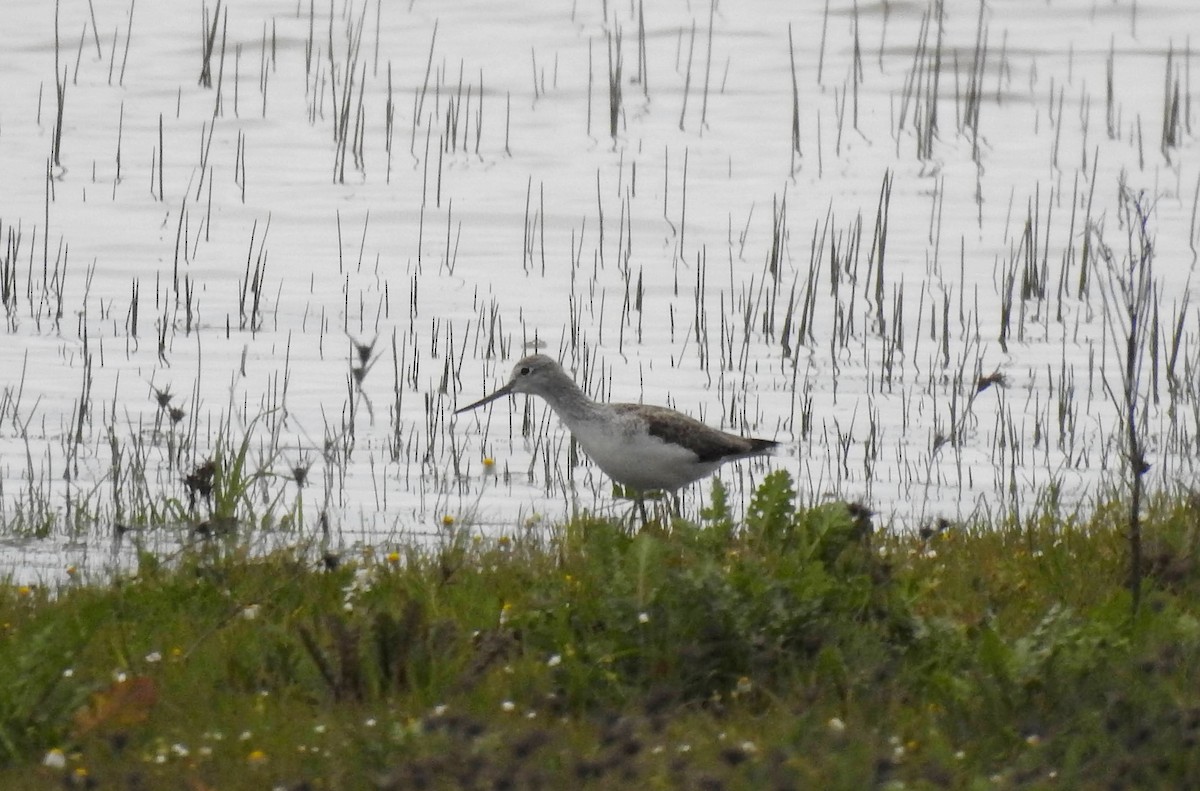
(503, 391)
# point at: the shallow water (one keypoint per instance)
(689, 260)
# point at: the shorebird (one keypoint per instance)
(645, 448)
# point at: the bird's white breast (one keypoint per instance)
(622, 447)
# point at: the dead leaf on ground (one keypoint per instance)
(125, 704)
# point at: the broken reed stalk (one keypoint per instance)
(1171, 126)
(1110, 116)
(533, 66)
(796, 95)
(591, 79)
(60, 85)
(712, 9)
(56, 147)
(879, 243)
(128, 36)
(614, 81)
(218, 107)
(928, 121)
(389, 123)
(208, 45)
(821, 53)
(95, 30)
(424, 85)
(974, 91)
(120, 135)
(478, 116)
(78, 60)
(643, 73)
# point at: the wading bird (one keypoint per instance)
(645, 448)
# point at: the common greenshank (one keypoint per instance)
(646, 448)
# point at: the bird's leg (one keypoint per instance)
(676, 505)
(629, 519)
(641, 505)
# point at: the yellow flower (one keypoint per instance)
(447, 520)
(393, 556)
(489, 462)
(24, 590)
(256, 758)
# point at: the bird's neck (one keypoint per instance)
(570, 403)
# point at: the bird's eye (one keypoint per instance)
(525, 371)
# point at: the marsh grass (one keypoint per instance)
(786, 649)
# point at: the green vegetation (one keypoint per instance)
(794, 649)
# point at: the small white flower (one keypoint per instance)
(508, 705)
(54, 759)
(154, 657)
(554, 661)
(180, 750)
(369, 722)
(749, 747)
(643, 617)
(318, 728)
(69, 672)
(440, 709)
(837, 725)
(250, 611)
